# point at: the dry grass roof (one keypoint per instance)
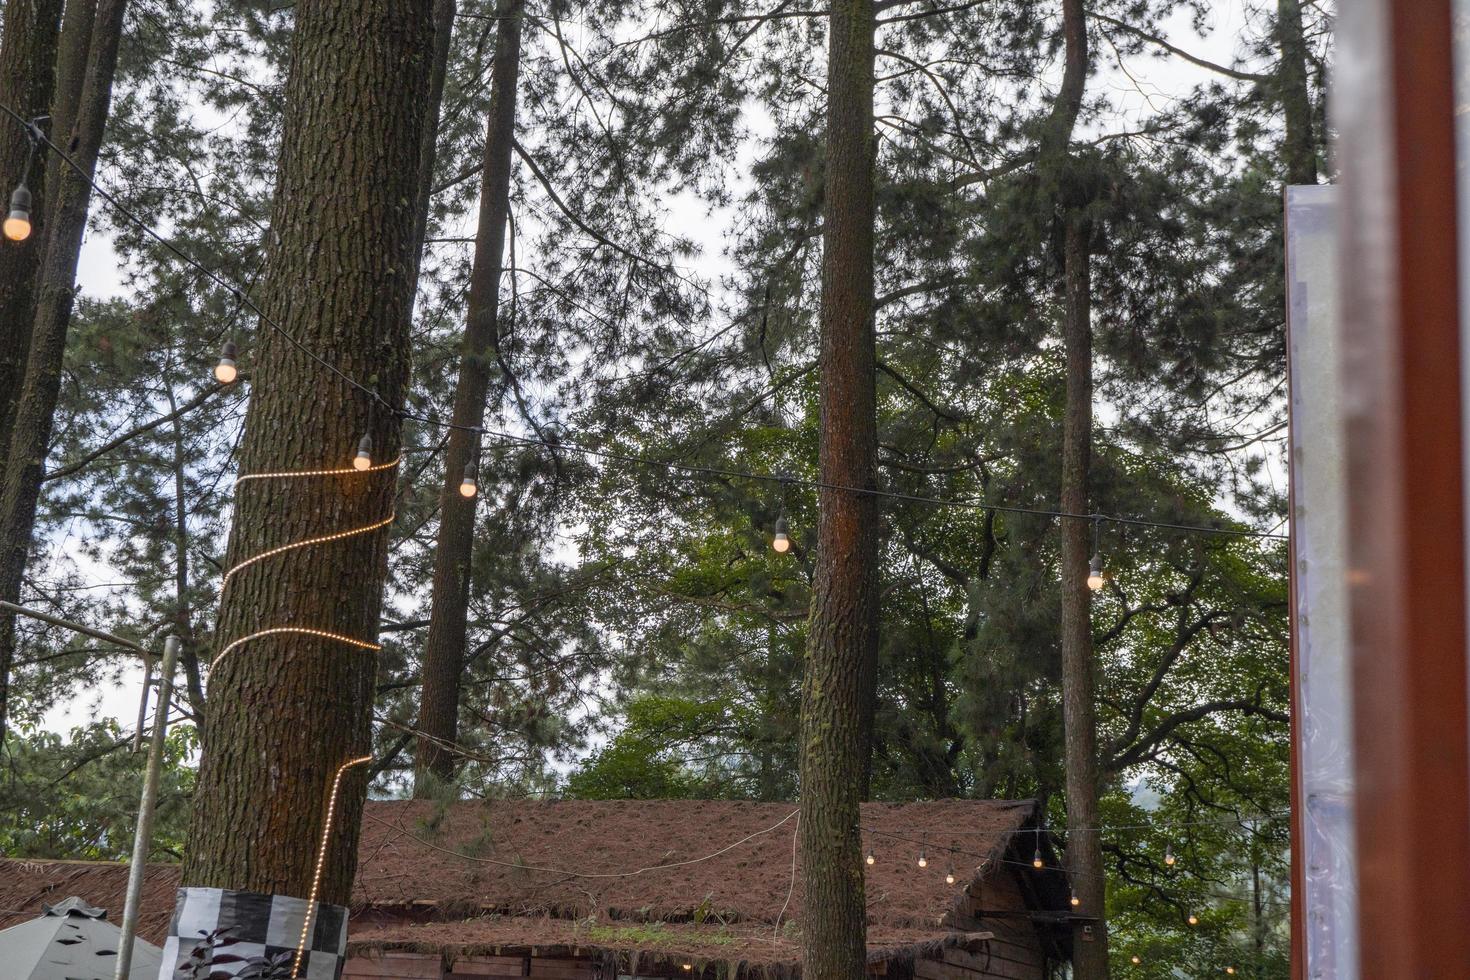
(553, 876)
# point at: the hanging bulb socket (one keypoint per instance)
(225, 372)
(949, 875)
(1095, 577)
(1193, 919)
(923, 860)
(1036, 861)
(1169, 858)
(468, 485)
(1075, 900)
(781, 543)
(870, 859)
(364, 457)
(18, 221)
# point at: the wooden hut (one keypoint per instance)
(578, 890)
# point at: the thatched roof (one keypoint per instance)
(516, 876)
(27, 887)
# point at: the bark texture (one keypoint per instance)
(444, 646)
(838, 685)
(54, 294)
(1300, 151)
(286, 711)
(27, 82)
(1079, 712)
(444, 14)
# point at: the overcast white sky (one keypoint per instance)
(1146, 86)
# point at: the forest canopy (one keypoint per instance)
(647, 379)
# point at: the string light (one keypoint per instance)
(949, 875)
(1169, 855)
(1193, 919)
(17, 225)
(18, 221)
(923, 860)
(870, 859)
(1134, 959)
(467, 485)
(225, 371)
(1095, 579)
(306, 543)
(1230, 970)
(1036, 861)
(364, 458)
(304, 630)
(361, 644)
(1075, 900)
(782, 541)
(321, 860)
(340, 471)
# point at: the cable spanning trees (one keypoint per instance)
(1071, 303)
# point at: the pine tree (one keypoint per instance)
(52, 299)
(837, 691)
(287, 711)
(443, 656)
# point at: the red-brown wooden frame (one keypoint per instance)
(1406, 574)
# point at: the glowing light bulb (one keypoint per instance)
(1134, 959)
(1169, 856)
(1230, 970)
(870, 859)
(225, 371)
(1075, 900)
(1095, 579)
(949, 876)
(364, 457)
(1193, 919)
(923, 861)
(688, 967)
(782, 541)
(467, 485)
(18, 222)
(1036, 861)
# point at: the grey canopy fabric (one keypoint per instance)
(71, 941)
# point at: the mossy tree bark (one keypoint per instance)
(443, 659)
(53, 296)
(838, 686)
(286, 711)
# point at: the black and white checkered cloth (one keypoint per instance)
(260, 925)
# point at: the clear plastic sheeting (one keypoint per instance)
(1319, 578)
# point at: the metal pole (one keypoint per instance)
(143, 839)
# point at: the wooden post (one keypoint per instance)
(1406, 561)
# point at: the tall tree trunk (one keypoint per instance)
(443, 661)
(1300, 150)
(77, 25)
(1079, 710)
(27, 81)
(54, 294)
(444, 14)
(286, 711)
(841, 664)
